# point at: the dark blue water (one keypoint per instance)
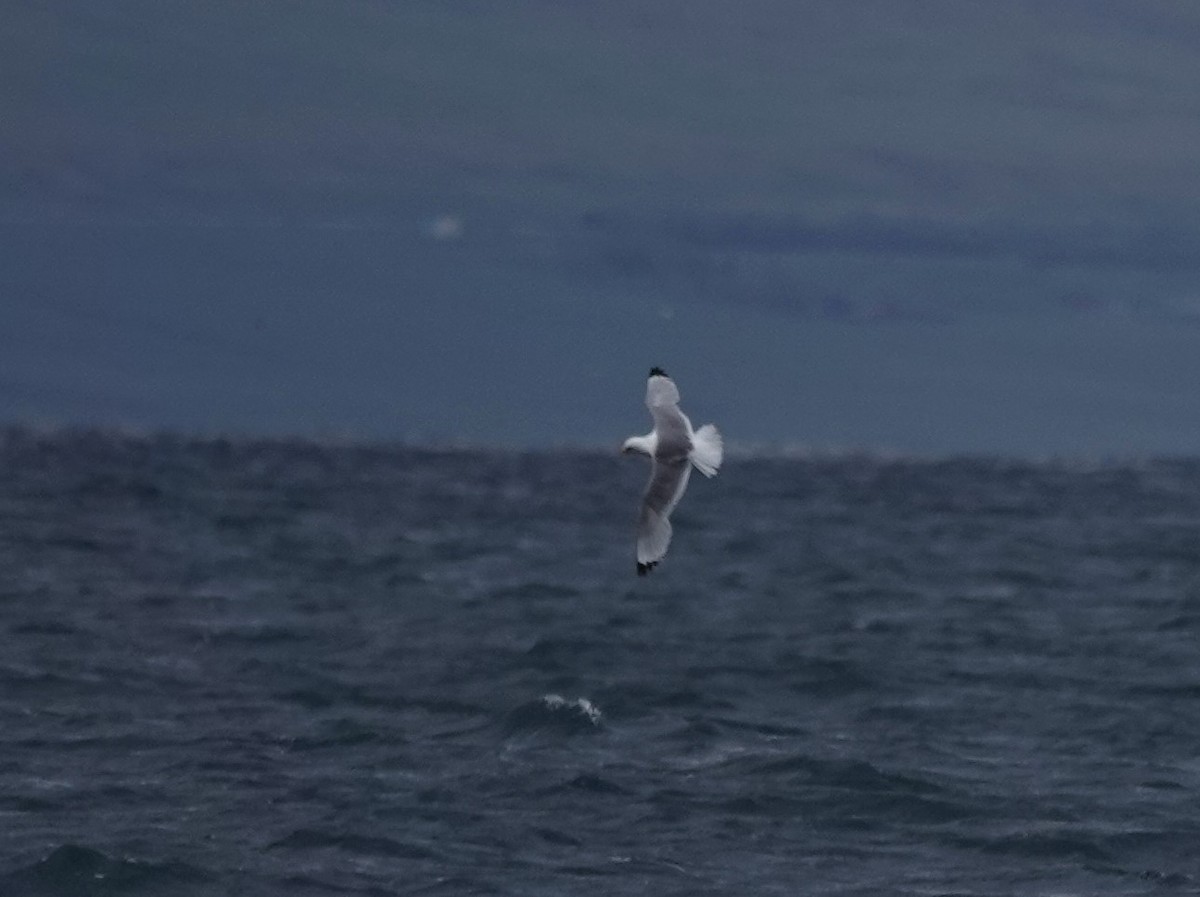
(283, 668)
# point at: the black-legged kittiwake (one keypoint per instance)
(673, 446)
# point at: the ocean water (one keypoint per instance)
(261, 668)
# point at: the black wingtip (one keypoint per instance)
(657, 372)
(643, 569)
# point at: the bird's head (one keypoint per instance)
(639, 444)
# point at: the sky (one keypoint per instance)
(912, 227)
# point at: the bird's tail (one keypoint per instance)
(707, 450)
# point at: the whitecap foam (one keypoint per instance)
(582, 706)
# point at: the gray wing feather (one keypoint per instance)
(674, 432)
(668, 480)
(672, 426)
(661, 391)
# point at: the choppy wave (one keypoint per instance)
(262, 667)
(76, 869)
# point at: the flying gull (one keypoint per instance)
(673, 446)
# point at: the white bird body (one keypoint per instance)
(674, 448)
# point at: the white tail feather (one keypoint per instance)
(707, 450)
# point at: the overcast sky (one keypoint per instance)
(905, 226)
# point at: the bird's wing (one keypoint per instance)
(668, 480)
(661, 390)
(672, 426)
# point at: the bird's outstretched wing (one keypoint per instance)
(660, 390)
(668, 480)
(671, 425)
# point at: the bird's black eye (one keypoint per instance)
(657, 372)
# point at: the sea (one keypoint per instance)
(234, 666)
